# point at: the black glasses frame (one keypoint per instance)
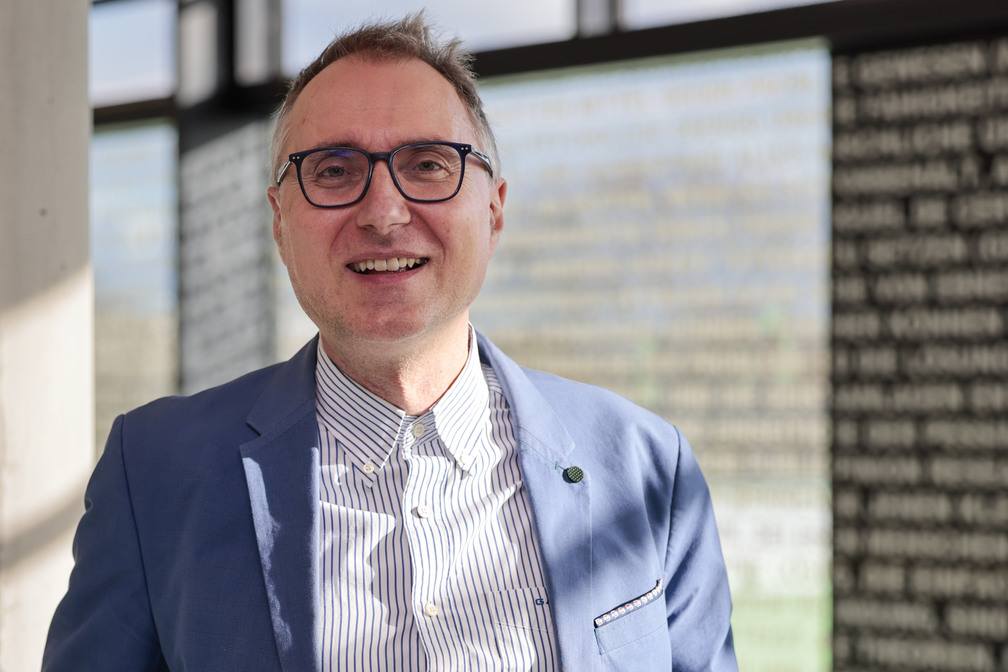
(463, 149)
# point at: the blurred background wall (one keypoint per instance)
(781, 225)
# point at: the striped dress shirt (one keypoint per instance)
(429, 559)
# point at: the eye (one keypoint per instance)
(335, 168)
(331, 171)
(428, 165)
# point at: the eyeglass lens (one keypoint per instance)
(426, 172)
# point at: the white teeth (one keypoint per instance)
(392, 264)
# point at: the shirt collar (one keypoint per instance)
(368, 427)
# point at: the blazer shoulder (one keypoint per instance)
(241, 391)
(207, 416)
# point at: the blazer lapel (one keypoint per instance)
(561, 509)
(281, 471)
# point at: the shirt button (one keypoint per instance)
(423, 511)
(368, 468)
(431, 609)
(419, 429)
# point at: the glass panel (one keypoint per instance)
(648, 13)
(134, 203)
(667, 237)
(310, 24)
(132, 51)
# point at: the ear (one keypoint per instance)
(273, 196)
(497, 199)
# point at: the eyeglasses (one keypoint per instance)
(424, 172)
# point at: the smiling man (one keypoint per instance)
(399, 495)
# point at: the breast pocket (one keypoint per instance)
(633, 637)
(523, 628)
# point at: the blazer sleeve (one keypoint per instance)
(697, 598)
(104, 621)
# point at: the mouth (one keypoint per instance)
(390, 265)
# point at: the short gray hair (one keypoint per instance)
(409, 37)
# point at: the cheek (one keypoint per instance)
(311, 240)
(301, 259)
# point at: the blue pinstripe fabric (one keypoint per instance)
(429, 560)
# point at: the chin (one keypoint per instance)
(394, 330)
(387, 325)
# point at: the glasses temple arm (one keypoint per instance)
(282, 172)
(484, 159)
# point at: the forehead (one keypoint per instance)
(377, 104)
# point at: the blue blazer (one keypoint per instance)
(198, 548)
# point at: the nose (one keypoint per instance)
(383, 207)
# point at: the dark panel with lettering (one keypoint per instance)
(920, 359)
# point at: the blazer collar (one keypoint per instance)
(290, 390)
(534, 419)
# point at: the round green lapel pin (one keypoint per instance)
(573, 474)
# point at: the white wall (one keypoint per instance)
(46, 324)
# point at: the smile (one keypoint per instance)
(392, 265)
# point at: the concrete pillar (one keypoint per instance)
(46, 323)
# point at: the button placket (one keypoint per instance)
(410, 522)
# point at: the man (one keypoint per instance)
(399, 495)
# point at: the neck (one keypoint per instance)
(410, 376)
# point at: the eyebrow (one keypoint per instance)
(334, 143)
(344, 142)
